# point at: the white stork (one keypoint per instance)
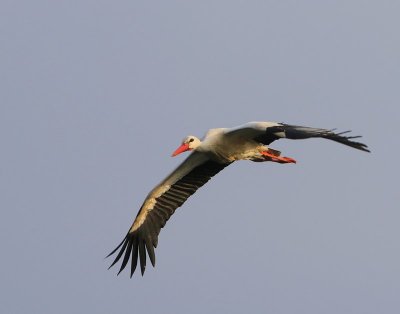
(218, 149)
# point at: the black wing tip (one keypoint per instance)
(133, 247)
(347, 140)
(115, 250)
(363, 147)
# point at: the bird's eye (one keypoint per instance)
(191, 140)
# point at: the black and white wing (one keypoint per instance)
(267, 132)
(158, 207)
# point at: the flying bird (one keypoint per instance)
(218, 149)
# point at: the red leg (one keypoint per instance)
(279, 159)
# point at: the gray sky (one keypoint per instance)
(95, 95)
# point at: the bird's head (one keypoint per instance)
(189, 143)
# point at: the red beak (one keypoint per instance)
(183, 148)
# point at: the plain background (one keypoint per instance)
(94, 97)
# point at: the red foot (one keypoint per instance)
(279, 159)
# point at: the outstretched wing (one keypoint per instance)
(158, 207)
(267, 132)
